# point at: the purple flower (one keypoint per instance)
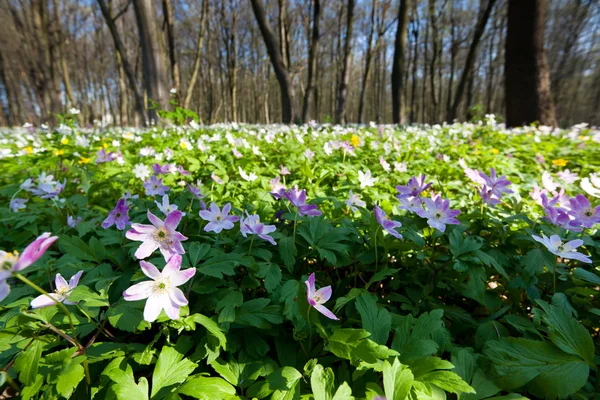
(17, 204)
(216, 178)
(298, 200)
(277, 189)
(158, 169)
(61, 293)
(160, 235)
(72, 222)
(102, 156)
(568, 176)
(411, 204)
(162, 291)
(218, 219)
(438, 213)
(493, 187)
(415, 186)
(154, 186)
(354, 201)
(387, 224)
(118, 216)
(182, 171)
(252, 225)
(582, 211)
(34, 251)
(555, 246)
(128, 196)
(283, 170)
(316, 298)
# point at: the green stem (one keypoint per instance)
(376, 257)
(251, 243)
(309, 329)
(12, 383)
(554, 277)
(295, 223)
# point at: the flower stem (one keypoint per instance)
(295, 223)
(251, 243)
(376, 257)
(309, 329)
(554, 277)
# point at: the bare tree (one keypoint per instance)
(340, 110)
(399, 61)
(169, 23)
(313, 52)
(285, 83)
(527, 79)
(368, 61)
(198, 57)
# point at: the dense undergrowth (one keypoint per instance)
(192, 249)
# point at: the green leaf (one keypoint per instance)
(491, 262)
(344, 392)
(69, 377)
(283, 379)
(535, 260)
(376, 320)
(223, 264)
(287, 252)
(567, 333)
(31, 390)
(587, 276)
(271, 274)
(413, 337)
(171, 369)
(204, 388)
(258, 313)
(424, 365)
(545, 369)
(322, 383)
(381, 275)
(460, 246)
(124, 385)
(352, 344)
(197, 252)
(447, 380)
(88, 297)
(397, 380)
(27, 363)
(125, 316)
(227, 305)
(212, 327)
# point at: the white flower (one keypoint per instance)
(116, 143)
(166, 208)
(568, 250)
(61, 293)
(74, 111)
(173, 91)
(250, 178)
(309, 154)
(141, 171)
(384, 164)
(400, 167)
(366, 179)
(548, 183)
(591, 185)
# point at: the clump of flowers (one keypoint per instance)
(161, 235)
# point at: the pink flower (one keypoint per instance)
(439, 213)
(252, 225)
(61, 293)
(218, 219)
(160, 235)
(316, 298)
(387, 224)
(162, 292)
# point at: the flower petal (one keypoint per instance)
(146, 249)
(154, 306)
(139, 291)
(181, 277)
(45, 301)
(172, 220)
(34, 251)
(310, 285)
(178, 297)
(150, 270)
(171, 309)
(4, 290)
(324, 293)
(157, 222)
(173, 266)
(325, 311)
(61, 283)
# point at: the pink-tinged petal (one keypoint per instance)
(206, 215)
(177, 248)
(182, 277)
(45, 301)
(139, 291)
(150, 270)
(214, 208)
(34, 251)
(154, 220)
(74, 281)
(146, 249)
(178, 297)
(143, 228)
(267, 238)
(226, 208)
(173, 266)
(167, 252)
(137, 236)
(172, 220)
(4, 290)
(325, 311)
(171, 309)
(61, 283)
(324, 293)
(310, 285)
(179, 236)
(154, 306)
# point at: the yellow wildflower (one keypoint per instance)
(64, 140)
(495, 151)
(105, 145)
(355, 140)
(28, 149)
(58, 153)
(561, 162)
(84, 160)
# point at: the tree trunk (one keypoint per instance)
(198, 58)
(368, 59)
(285, 83)
(340, 110)
(527, 80)
(120, 48)
(432, 63)
(153, 62)
(415, 62)
(168, 14)
(313, 52)
(399, 61)
(471, 55)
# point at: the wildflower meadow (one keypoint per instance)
(319, 262)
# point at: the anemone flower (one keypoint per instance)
(316, 298)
